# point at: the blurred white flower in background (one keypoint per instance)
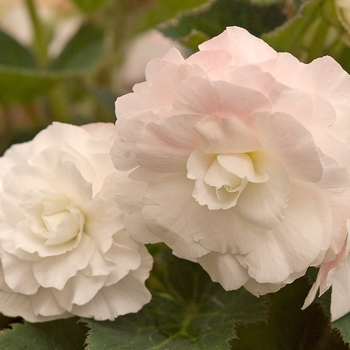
(142, 49)
(60, 17)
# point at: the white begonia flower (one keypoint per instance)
(64, 250)
(241, 160)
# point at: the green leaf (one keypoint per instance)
(90, 6)
(20, 79)
(163, 10)
(13, 53)
(24, 85)
(197, 314)
(343, 325)
(82, 53)
(57, 335)
(288, 327)
(312, 33)
(211, 20)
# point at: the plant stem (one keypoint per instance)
(56, 97)
(39, 38)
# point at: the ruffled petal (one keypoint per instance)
(263, 204)
(225, 269)
(165, 146)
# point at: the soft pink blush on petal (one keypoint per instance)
(283, 137)
(226, 135)
(218, 98)
(166, 145)
(173, 56)
(214, 63)
(340, 299)
(242, 46)
(334, 273)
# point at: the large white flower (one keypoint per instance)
(64, 248)
(241, 159)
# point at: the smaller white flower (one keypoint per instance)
(64, 248)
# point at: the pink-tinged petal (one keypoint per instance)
(165, 146)
(263, 204)
(328, 273)
(226, 135)
(340, 299)
(214, 230)
(339, 202)
(165, 85)
(46, 270)
(242, 46)
(173, 56)
(225, 269)
(323, 76)
(130, 128)
(283, 137)
(215, 63)
(174, 230)
(253, 77)
(306, 107)
(334, 176)
(18, 275)
(259, 289)
(219, 98)
(290, 247)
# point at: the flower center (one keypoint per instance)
(220, 179)
(53, 218)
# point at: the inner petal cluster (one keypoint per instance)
(220, 179)
(52, 219)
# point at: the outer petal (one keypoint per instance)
(215, 98)
(242, 46)
(225, 269)
(283, 137)
(226, 135)
(192, 230)
(290, 247)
